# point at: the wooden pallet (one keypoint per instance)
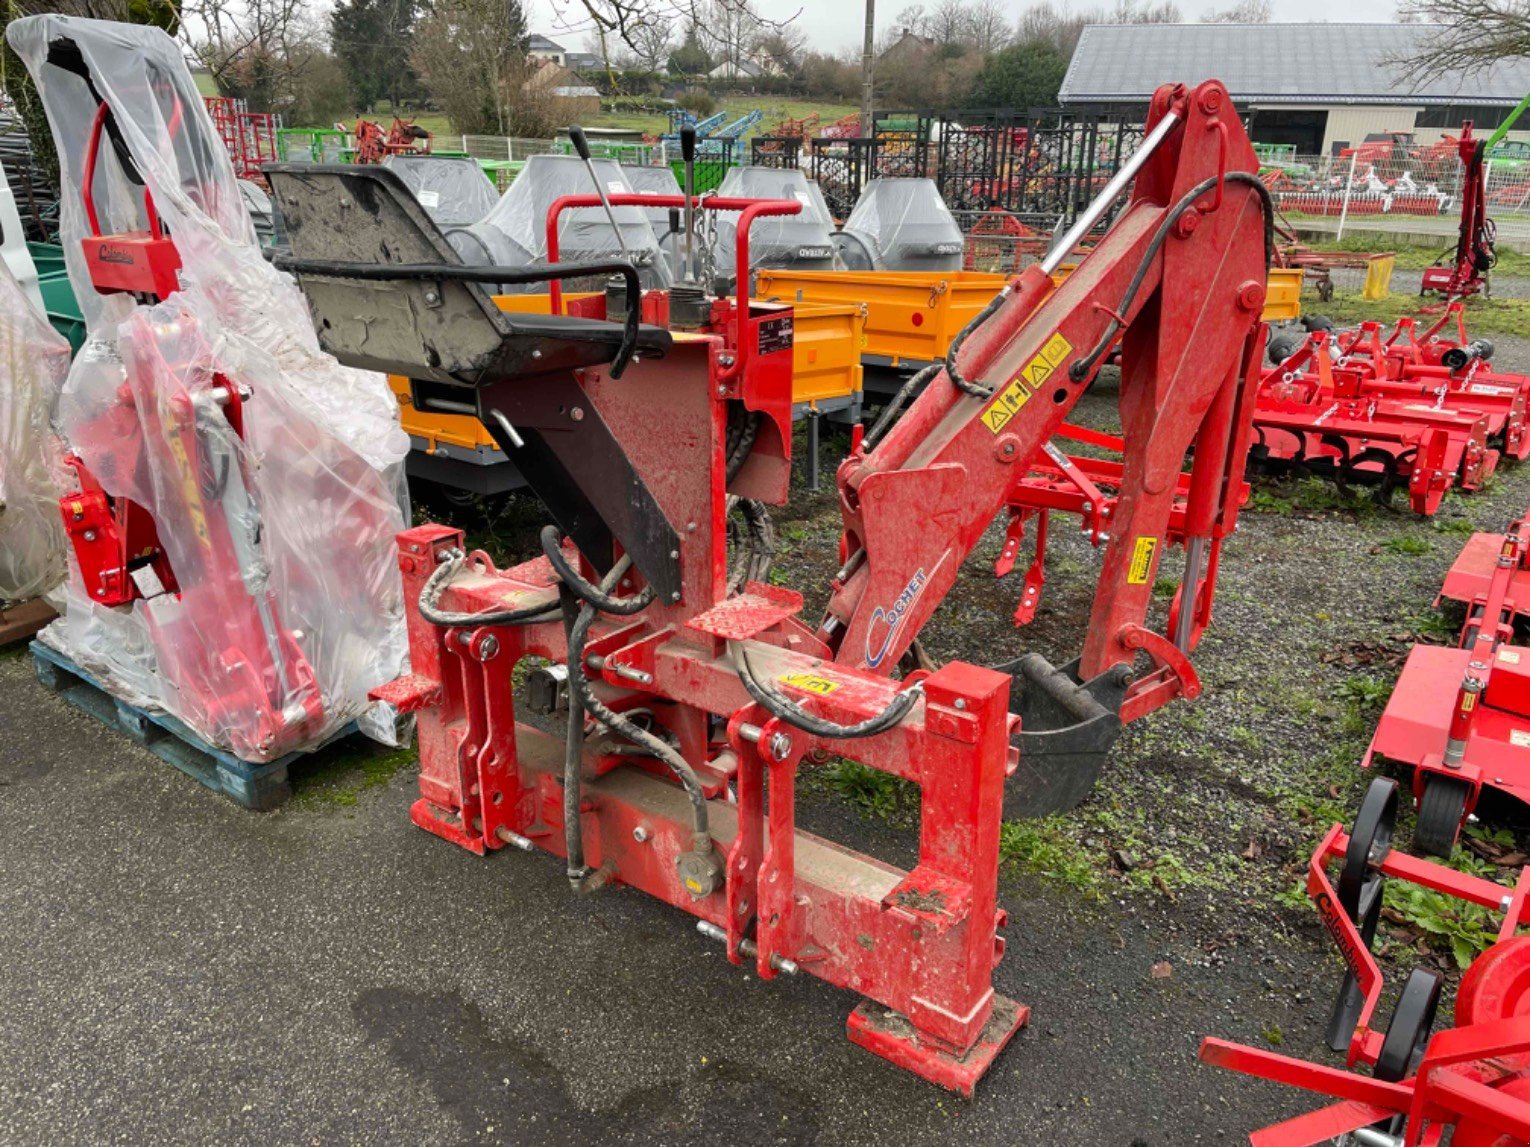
(255, 786)
(20, 621)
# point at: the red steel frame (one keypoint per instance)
(1464, 713)
(917, 505)
(1474, 249)
(1472, 1078)
(920, 945)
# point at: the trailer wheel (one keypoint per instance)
(1370, 839)
(1440, 812)
(1412, 1022)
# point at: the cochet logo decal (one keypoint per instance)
(892, 618)
(109, 254)
(814, 252)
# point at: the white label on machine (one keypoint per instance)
(147, 581)
(1520, 738)
(803, 198)
(430, 199)
(615, 187)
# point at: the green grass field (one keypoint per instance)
(776, 108)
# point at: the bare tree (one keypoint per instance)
(651, 43)
(1047, 24)
(914, 17)
(625, 19)
(1241, 12)
(988, 27)
(1479, 34)
(732, 31)
(259, 50)
(947, 23)
(782, 49)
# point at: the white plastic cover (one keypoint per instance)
(648, 180)
(290, 607)
(33, 362)
(908, 225)
(453, 189)
(517, 226)
(803, 241)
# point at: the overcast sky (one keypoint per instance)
(836, 25)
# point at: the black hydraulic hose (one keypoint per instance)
(573, 746)
(435, 586)
(739, 444)
(975, 389)
(785, 709)
(596, 599)
(1084, 367)
(598, 596)
(890, 411)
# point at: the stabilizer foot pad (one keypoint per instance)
(892, 1037)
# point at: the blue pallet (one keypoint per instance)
(255, 786)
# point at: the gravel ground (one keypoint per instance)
(173, 969)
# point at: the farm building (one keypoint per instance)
(1317, 87)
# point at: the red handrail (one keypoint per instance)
(749, 209)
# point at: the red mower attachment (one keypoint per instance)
(1471, 1081)
(1460, 718)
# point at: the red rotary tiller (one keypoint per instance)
(1470, 1082)
(684, 701)
(1460, 717)
(1425, 410)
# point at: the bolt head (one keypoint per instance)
(577, 414)
(488, 648)
(640, 834)
(780, 746)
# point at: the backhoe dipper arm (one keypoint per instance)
(1180, 280)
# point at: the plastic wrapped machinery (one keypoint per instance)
(514, 233)
(33, 362)
(802, 242)
(901, 225)
(452, 188)
(277, 512)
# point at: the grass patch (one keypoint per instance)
(337, 777)
(1309, 496)
(1046, 849)
(1483, 315)
(1456, 526)
(1416, 258)
(1406, 545)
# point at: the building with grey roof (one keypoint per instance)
(1321, 87)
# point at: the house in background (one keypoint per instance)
(1319, 87)
(539, 47)
(737, 70)
(583, 62)
(908, 49)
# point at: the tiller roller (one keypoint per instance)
(683, 703)
(1460, 717)
(1328, 408)
(1468, 1084)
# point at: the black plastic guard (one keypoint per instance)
(1067, 729)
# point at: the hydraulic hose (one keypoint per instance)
(1084, 367)
(977, 390)
(436, 585)
(598, 599)
(891, 410)
(785, 709)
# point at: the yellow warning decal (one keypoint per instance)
(1142, 561)
(1027, 382)
(809, 683)
(1010, 400)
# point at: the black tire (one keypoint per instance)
(1441, 810)
(1412, 1022)
(1370, 839)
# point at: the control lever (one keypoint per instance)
(688, 155)
(582, 146)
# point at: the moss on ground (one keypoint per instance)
(337, 776)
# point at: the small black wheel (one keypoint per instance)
(1370, 839)
(1412, 1022)
(1441, 810)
